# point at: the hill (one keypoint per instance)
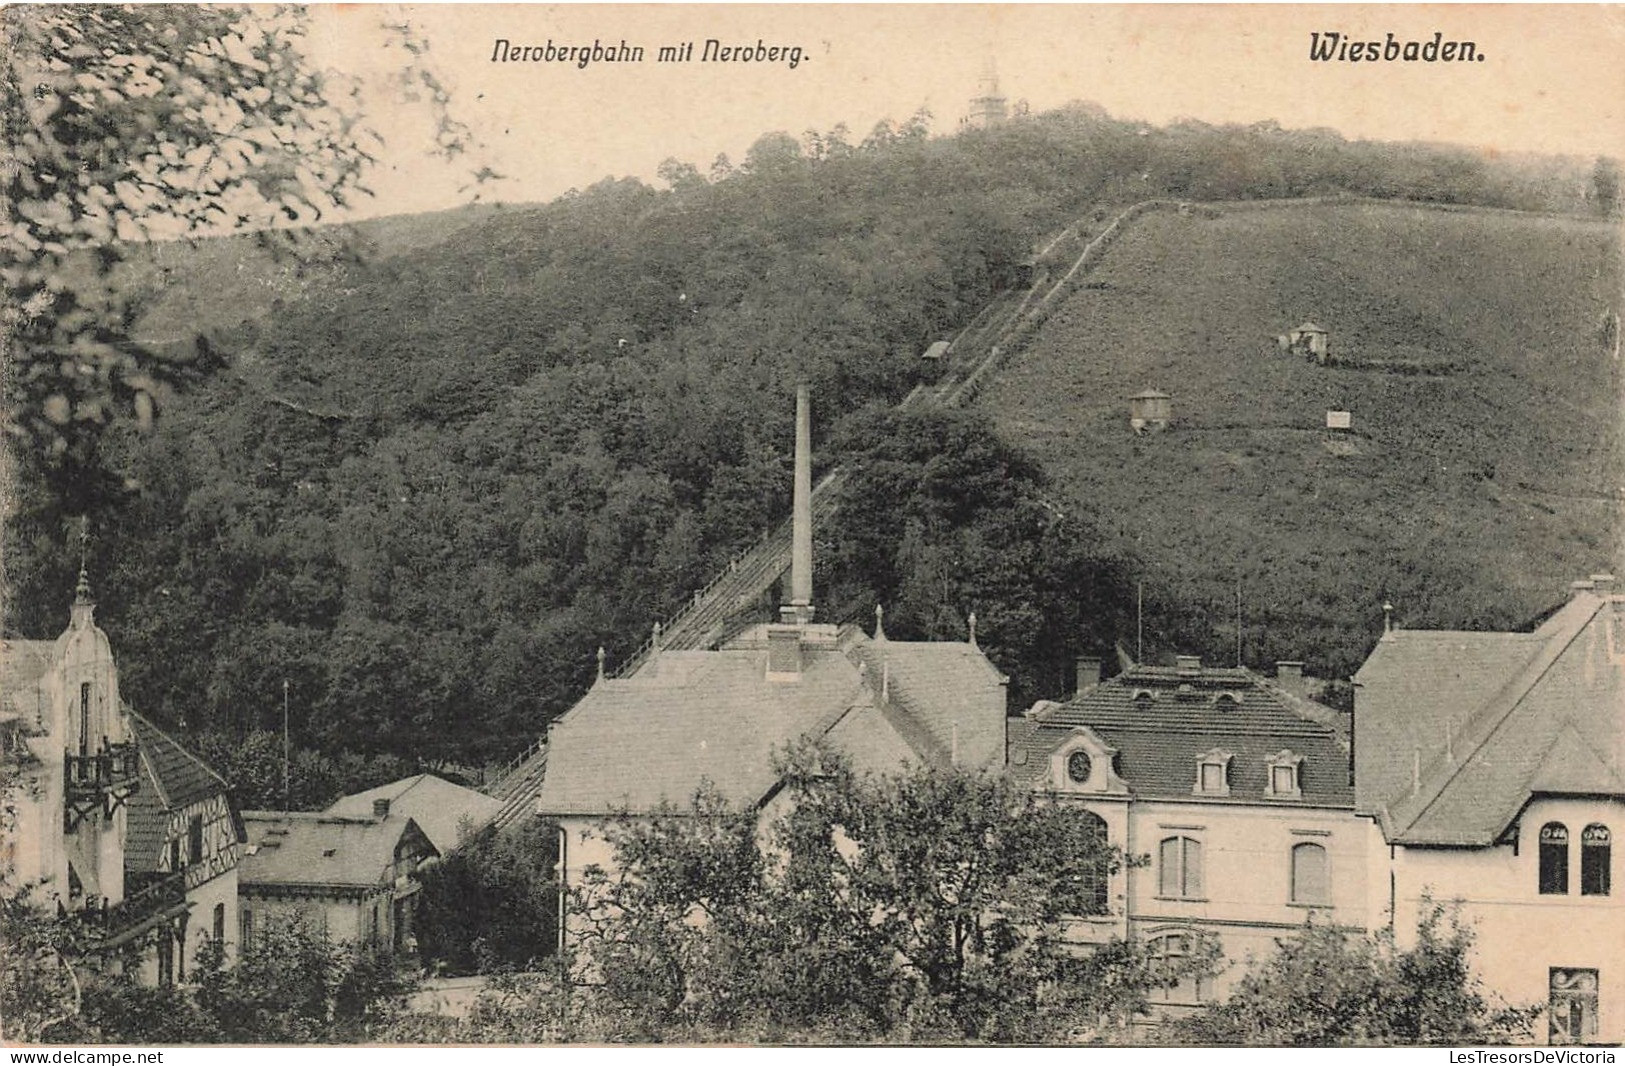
(1474, 490)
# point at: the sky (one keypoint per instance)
(1550, 81)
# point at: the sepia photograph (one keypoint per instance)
(780, 525)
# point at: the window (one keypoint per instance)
(1179, 868)
(1554, 859)
(1095, 876)
(1595, 856)
(219, 922)
(247, 930)
(1079, 766)
(1310, 883)
(194, 840)
(1212, 773)
(1172, 961)
(84, 718)
(1283, 780)
(1572, 1009)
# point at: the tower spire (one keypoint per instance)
(81, 594)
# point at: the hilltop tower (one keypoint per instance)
(988, 107)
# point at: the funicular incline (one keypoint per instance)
(710, 615)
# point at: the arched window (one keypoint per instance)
(1179, 868)
(1310, 883)
(1596, 853)
(1095, 873)
(1554, 859)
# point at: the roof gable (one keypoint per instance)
(439, 807)
(1554, 726)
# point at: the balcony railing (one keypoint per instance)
(112, 769)
(102, 922)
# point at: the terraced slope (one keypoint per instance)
(1485, 410)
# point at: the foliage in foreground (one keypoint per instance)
(289, 985)
(491, 905)
(1325, 988)
(923, 906)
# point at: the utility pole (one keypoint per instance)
(1139, 622)
(286, 799)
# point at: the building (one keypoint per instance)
(1236, 788)
(118, 826)
(718, 716)
(1308, 340)
(988, 107)
(445, 812)
(1492, 769)
(1150, 410)
(351, 878)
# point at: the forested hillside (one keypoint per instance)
(426, 486)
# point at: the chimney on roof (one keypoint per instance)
(1577, 587)
(783, 653)
(1088, 672)
(1604, 584)
(799, 610)
(380, 808)
(1188, 664)
(1289, 675)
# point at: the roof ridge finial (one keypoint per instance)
(880, 622)
(600, 662)
(1387, 618)
(81, 593)
(972, 622)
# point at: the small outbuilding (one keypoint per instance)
(1150, 410)
(1308, 340)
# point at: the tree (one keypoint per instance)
(1325, 987)
(491, 905)
(130, 124)
(918, 906)
(1605, 185)
(291, 984)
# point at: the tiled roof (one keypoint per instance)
(687, 717)
(1161, 720)
(439, 807)
(692, 716)
(304, 848)
(171, 779)
(930, 683)
(1475, 727)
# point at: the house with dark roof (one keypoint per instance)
(718, 716)
(1492, 768)
(353, 878)
(118, 825)
(1235, 787)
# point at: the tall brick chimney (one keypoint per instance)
(800, 610)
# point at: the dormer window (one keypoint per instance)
(1213, 774)
(1085, 763)
(1283, 780)
(1142, 697)
(1227, 701)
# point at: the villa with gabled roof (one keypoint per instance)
(1492, 767)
